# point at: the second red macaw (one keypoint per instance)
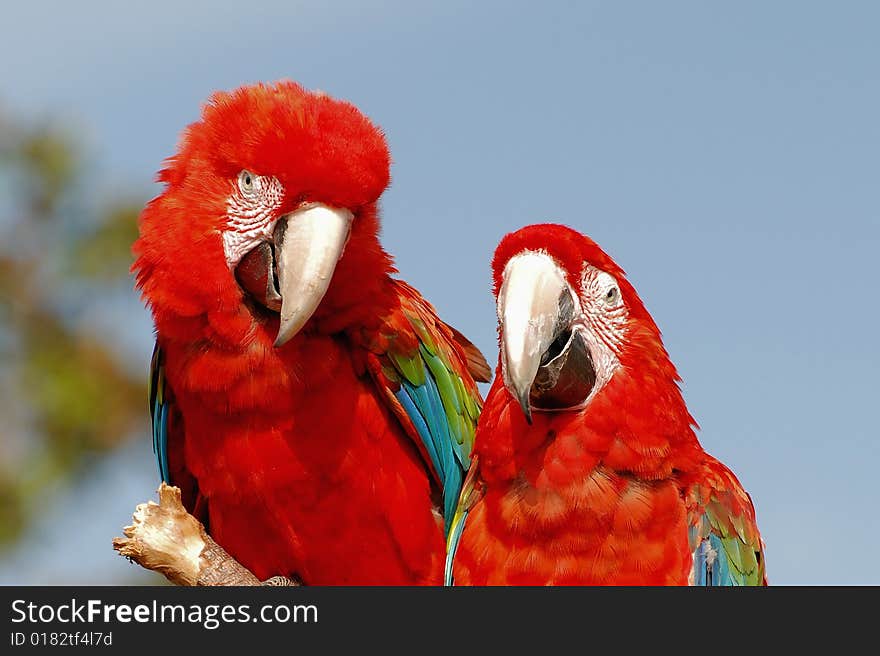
(587, 468)
(315, 411)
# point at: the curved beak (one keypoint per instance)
(308, 244)
(534, 307)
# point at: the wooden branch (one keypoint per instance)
(165, 538)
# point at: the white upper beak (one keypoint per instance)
(528, 308)
(312, 242)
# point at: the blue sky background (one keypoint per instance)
(726, 154)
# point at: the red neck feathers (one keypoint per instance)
(637, 424)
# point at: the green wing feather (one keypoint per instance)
(724, 538)
(427, 372)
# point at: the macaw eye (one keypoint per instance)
(612, 296)
(247, 182)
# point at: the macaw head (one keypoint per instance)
(569, 321)
(269, 194)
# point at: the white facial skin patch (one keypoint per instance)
(603, 306)
(252, 210)
(602, 322)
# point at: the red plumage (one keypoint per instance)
(611, 493)
(294, 455)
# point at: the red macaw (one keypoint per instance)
(315, 411)
(587, 469)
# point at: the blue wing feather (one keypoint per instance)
(405, 396)
(159, 413)
(711, 564)
(424, 407)
(452, 540)
(427, 372)
(723, 534)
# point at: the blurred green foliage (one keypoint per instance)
(65, 395)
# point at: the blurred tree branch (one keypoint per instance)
(65, 394)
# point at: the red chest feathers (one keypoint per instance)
(608, 529)
(305, 471)
(555, 512)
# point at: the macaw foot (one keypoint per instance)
(165, 538)
(280, 581)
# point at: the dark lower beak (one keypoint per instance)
(566, 377)
(257, 274)
(545, 359)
